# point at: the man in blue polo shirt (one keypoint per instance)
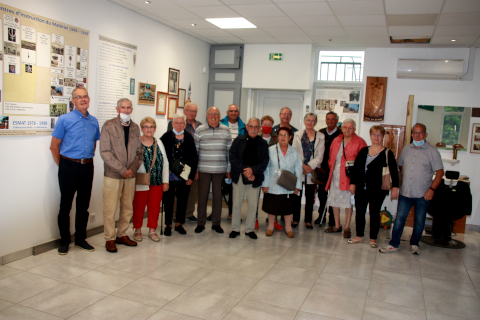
(73, 147)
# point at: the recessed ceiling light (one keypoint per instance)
(231, 23)
(453, 40)
(194, 24)
(147, 2)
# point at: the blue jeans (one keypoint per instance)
(404, 206)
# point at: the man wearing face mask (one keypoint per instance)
(418, 162)
(122, 152)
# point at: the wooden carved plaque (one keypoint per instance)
(375, 96)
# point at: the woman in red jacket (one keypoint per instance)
(343, 151)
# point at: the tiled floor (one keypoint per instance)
(315, 276)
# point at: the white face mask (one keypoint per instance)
(125, 117)
(418, 143)
(178, 133)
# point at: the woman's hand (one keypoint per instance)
(353, 188)
(189, 182)
(165, 187)
(394, 194)
(296, 192)
(196, 175)
(265, 189)
(306, 169)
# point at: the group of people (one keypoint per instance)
(179, 169)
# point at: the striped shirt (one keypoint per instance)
(213, 145)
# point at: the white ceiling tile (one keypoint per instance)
(258, 10)
(154, 4)
(125, 4)
(292, 31)
(339, 41)
(458, 30)
(411, 32)
(196, 3)
(290, 1)
(411, 19)
(351, 8)
(213, 12)
(197, 36)
(260, 40)
(377, 20)
(172, 13)
(371, 40)
(366, 31)
(413, 6)
(211, 33)
(459, 19)
(446, 40)
(294, 39)
(323, 21)
(165, 22)
(199, 24)
(272, 22)
(225, 40)
(306, 9)
(461, 6)
(324, 31)
(233, 2)
(251, 32)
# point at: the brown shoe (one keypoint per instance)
(110, 245)
(333, 229)
(347, 233)
(126, 241)
(269, 233)
(290, 234)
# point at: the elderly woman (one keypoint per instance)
(150, 196)
(310, 144)
(367, 184)
(278, 200)
(343, 151)
(179, 145)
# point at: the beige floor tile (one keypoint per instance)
(397, 276)
(334, 283)
(226, 247)
(252, 310)
(349, 269)
(100, 256)
(153, 292)
(6, 272)
(5, 304)
(180, 273)
(447, 270)
(431, 315)
(278, 294)
(23, 286)
(334, 305)
(304, 260)
(64, 300)
(457, 306)
(226, 283)
(202, 304)
(245, 267)
(313, 248)
(262, 253)
(398, 261)
(137, 263)
(103, 279)
(375, 310)
(115, 308)
(162, 250)
(199, 258)
(169, 315)
(63, 269)
(312, 316)
(444, 288)
(430, 253)
(279, 239)
(292, 275)
(477, 286)
(396, 293)
(33, 261)
(473, 272)
(188, 240)
(21, 313)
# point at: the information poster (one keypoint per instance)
(116, 73)
(43, 61)
(344, 101)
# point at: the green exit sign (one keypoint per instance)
(275, 56)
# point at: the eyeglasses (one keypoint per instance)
(376, 134)
(81, 97)
(148, 127)
(348, 129)
(283, 135)
(233, 111)
(213, 114)
(190, 111)
(286, 114)
(418, 133)
(253, 127)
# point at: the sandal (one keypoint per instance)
(333, 229)
(137, 236)
(373, 244)
(353, 241)
(347, 233)
(154, 236)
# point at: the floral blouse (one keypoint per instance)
(156, 175)
(307, 147)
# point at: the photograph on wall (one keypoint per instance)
(146, 93)
(475, 143)
(173, 81)
(172, 107)
(57, 109)
(394, 138)
(3, 122)
(325, 105)
(181, 98)
(161, 103)
(375, 96)
(351, 108)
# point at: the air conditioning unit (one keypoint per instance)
(430, 69)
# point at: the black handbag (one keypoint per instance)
(348, 164)
(245, 180)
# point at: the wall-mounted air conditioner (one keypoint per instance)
(430, 69)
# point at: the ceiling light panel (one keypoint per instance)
(231, 23)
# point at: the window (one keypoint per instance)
(340, 66)
(452, 121)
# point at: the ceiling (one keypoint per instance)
(323, 23)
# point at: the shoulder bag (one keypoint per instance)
(287, 180)
(179, 167)
(348, 163)
(386, 178)
(144, 178)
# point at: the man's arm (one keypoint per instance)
(107, 154)
(436, 182)
(55, 148)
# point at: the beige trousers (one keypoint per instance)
(114, 190)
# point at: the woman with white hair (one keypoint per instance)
(343, 151)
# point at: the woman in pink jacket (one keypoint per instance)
(343, 151)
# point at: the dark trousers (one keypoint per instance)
(375, 200)
(204, 181)
(309, 199)
(322, 198)
(180, 190)
(74, 177)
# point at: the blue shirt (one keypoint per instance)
(78, 135)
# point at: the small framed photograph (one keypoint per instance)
(161, 103)
(146, 93)
(475, 143)
(172, 107)
(181, 98)
(173, 81)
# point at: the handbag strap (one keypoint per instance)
(154, 154)
(278, 158)
(343, 142)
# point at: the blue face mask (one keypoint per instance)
(178, 133)
(418, 143)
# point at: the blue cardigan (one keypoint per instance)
(241, 125)
(291, 162)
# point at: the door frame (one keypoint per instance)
(261, 94)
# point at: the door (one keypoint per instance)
(223, 95)
(271, 102)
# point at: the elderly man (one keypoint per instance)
(418, 162)
(213, 141)
(74, 140)
(122, 152)
(330, 132)
(190, 112)
(285, 117)
(249, 159)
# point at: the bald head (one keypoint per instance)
(233, 113)
(213, 117)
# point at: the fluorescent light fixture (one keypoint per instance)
(453, 40)
(147, 2)
(231, 23)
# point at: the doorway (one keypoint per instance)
(271, 102)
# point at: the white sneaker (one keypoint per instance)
(415, 250)
(388, 249)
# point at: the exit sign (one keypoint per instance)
(275, 56)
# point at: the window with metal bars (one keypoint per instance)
(340, 66)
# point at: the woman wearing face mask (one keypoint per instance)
(179, 145)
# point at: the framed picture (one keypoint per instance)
(173, 81)
(161, 103)
(172, 107)
(475, 143)
(146, 93)
(181, 98)
(394, 138)
(375, 96)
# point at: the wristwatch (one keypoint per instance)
(433, 189)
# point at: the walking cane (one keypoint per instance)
(161, 218)
(324, 211)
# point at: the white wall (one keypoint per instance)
(29, 194)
